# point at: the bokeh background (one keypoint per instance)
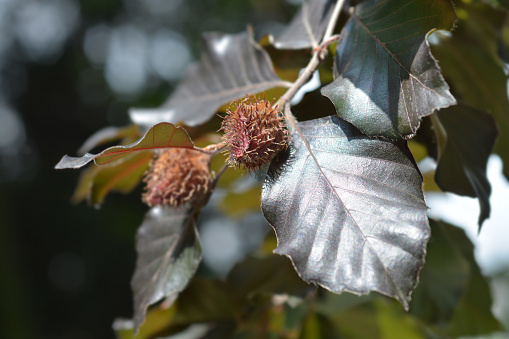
(69, 68)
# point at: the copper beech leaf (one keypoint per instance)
(386, 80)
(109, 134)
(470, 62)
(462, 164)
(162, 135)
(307, 27)
(231, 66)
(348, 210)
(169, 253)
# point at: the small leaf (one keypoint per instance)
(386, 80)
(348, 210)
(169, 252)
(461, 168)
(109, 134)
(307, 27)
(162, 135)
(231, 66)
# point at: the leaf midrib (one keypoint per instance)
(301, 135)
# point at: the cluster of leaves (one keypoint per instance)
(345, 199)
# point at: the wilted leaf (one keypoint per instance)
(386, 79)
(231, 66)
(470, 62)
(109, 134)
(169, 252)
(461, 168)
(348, 210)
(162, 135)
(307, 27)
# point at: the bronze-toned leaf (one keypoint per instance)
(169, 252)
(386, 79)
(348, 210)
(231, 66)
(162, 135)
(307, 27)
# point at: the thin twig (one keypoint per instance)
(315, 60)
(213, 149)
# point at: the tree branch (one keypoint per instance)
(315, 60)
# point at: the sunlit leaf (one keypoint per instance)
(461, 168)
(471, 64)
(169, 252)
(348, 210)
(162, 135)
(386, 78)
(107, 135)
(307, 27)
(231, 66)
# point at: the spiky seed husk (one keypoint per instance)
(254, 132)
(178, 176)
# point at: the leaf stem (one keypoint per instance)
(219, 174)
(315, 59)
(213, 149)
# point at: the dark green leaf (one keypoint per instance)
(231, 66)
(473, 315)
(385, 77)
(273, 275)
(162, 135)
(379, 319)
(462, 164)
(444, 278)
(307, 27)
(205, 301)
(470, 62)
(169, 252)
(348, 210)
(316, 326)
